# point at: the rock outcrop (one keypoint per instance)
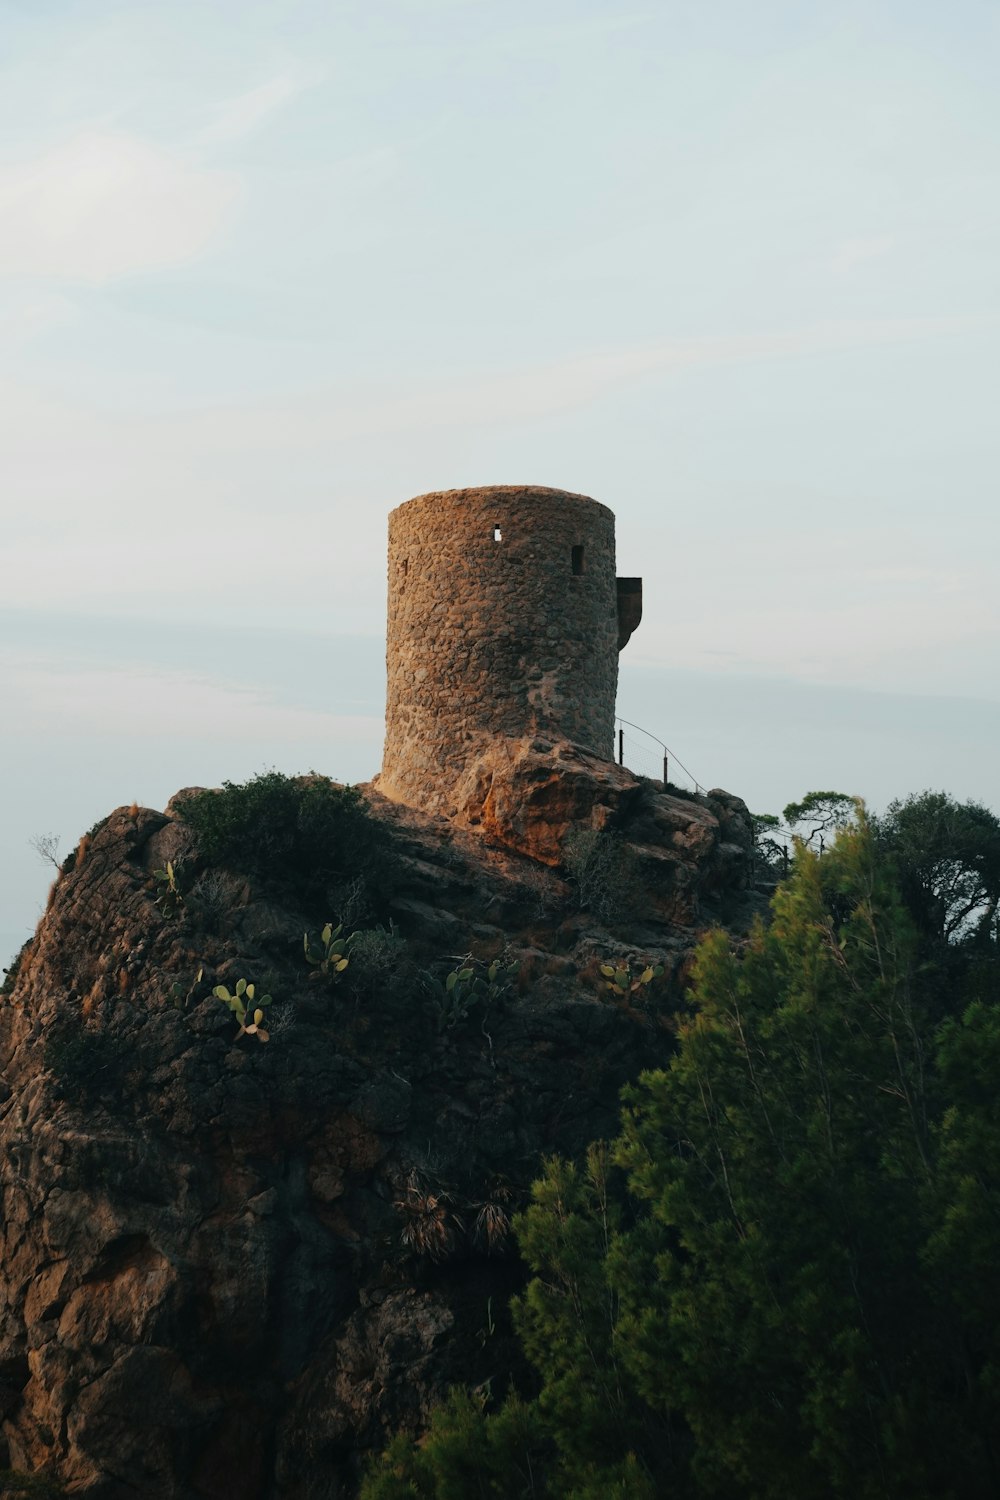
(530, 795)
(230, 1269)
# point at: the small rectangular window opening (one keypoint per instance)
(404, 566)
(497, 533)
(577, 560)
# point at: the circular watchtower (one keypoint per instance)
(503, 622)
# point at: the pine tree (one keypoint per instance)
(783, 1278)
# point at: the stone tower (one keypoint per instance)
(505, 621)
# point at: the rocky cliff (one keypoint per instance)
(231, 1268)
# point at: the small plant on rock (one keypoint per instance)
(211, 900)
(603, 868)
(180, 993)
(239, 1003)
(457, 998)
(11, 972)
(491, 1225)
(46, 846)
(464, 987)
(169, 897)
(431, 1228)
(623, 982)
(379, 961)
(332, 957)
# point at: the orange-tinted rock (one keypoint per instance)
(527, 794)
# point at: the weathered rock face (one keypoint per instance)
(229, 1268)
(527, 794)
(530, 795)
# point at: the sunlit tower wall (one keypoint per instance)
(505, 619)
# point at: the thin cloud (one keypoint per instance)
(132, 702)
(241, 115)
(339, 414)
(103, 204)
(562, 385)
(530, 393)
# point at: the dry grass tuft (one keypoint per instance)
(492, 1222)
(91, 1000)
(431, 1229)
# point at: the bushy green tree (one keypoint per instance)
(820, 815)
(963, 1248)
(464, 1455)
(783, 1156)
(948, 858)
(568, 1321)
(782, 1278)
(770, 849)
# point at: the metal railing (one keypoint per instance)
(643, 760)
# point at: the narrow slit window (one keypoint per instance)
(497, 533)
(404, 566)
(577, 561)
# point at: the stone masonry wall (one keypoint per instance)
(502, 623)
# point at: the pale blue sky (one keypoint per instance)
(267, 270)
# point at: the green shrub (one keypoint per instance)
(380, 963)
(468, 1452)
(300, 832)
